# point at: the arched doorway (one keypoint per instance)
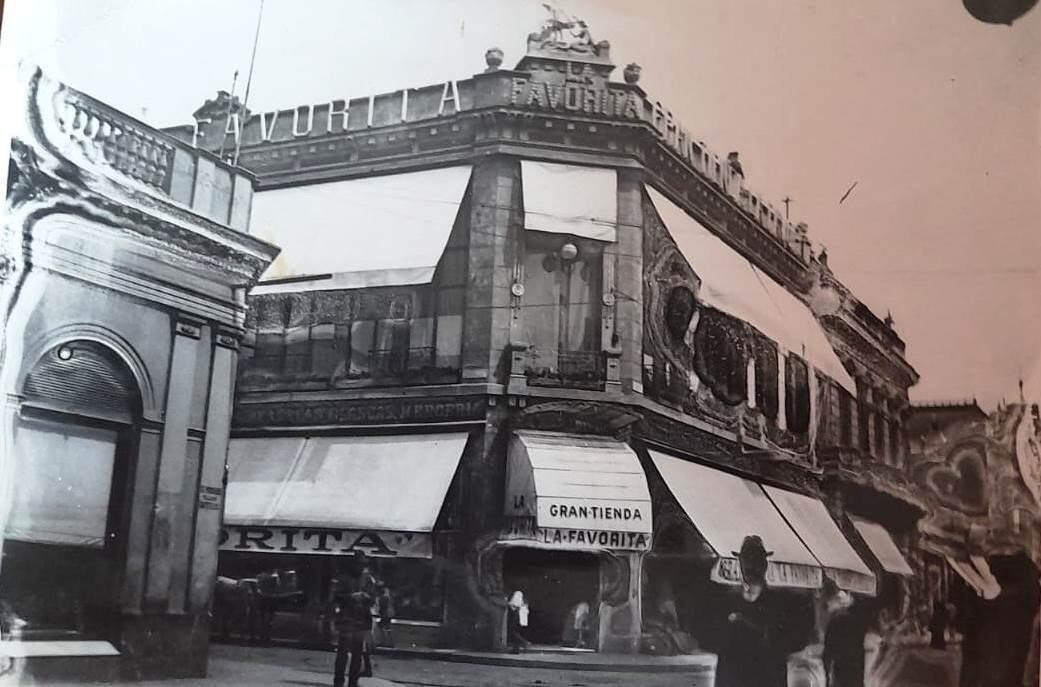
(75, 435)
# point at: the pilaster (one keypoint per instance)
(173, 459)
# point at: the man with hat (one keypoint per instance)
(755, 639)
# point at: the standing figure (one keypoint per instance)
(755, 639)
(844, 640)
(385, 604)
(516, 621)
(938, 622)
(352, 610)
(1032, 669)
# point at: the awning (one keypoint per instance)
(732, 284)
(576, 491)
(967, 573)
(725, 509)
(882, 547)
(333, 494)
(812, 522)
(568, 199)
(976, 573)
(385, 230)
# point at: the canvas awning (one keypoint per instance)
(725, 508)
(569, 199)
(386, 491)
(814, 525)
(882, 546)
(732, 284)
(976, 573)
(374, 231)
(578, 491)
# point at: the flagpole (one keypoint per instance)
(249, 82)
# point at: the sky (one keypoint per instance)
(934, 115)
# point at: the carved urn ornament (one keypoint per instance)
(632, 73)
(493, 58)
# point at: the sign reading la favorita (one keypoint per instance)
(325, 541)
(527, 530)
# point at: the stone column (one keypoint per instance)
(621, 605)
(214, 455)
(495, 192)
(628, 296)
(172, 464)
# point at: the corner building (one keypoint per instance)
(125, 264)
(526, 332)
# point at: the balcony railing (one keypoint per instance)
(592, 370)
(119, 145)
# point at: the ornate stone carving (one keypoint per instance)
(567, 35)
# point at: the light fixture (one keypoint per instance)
(64, 353)
(568, 252)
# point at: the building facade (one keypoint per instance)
(125, 267)
(527, 332)
(982, 535)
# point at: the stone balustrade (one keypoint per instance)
(122, 146)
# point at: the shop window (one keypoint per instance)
(416, 585)
(766, 377)
(797, 394)
(561, 307)
(64, 534)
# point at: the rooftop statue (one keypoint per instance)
(565, 33)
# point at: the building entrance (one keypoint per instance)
(554, 584)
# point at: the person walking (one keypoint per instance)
(1032, 669)
(385, 604)
(938, 622)
(755, 634)
(516, 621)
(843, 655)
(352, 611)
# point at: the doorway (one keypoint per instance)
(553, 582)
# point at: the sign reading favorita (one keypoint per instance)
(574, 538)
(325, 541)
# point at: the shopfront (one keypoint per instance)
(298, 508)
(578, 516)
(694, 567)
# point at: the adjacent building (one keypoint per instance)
(125, 265)
(528, 332)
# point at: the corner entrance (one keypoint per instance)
(554, 583)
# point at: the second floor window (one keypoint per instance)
(720, 356)
(766, 397)
(797, 394)
(845, 418)
(561, 304)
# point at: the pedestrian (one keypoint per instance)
(844, 639)
(352, 611)
(1032, 669)
(938, 622)
(516, 621)
(754, 632)
(385, 605)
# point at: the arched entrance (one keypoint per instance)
(75, 436)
